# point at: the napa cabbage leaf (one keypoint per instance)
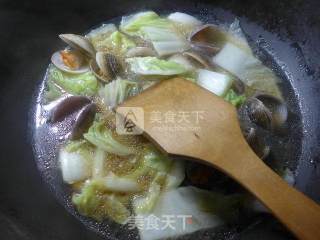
(155, 66)
(160, 31)
(193, 209)
(117, 91)
(79, 84)
(94, 202)
(100, 136)
(234, 98)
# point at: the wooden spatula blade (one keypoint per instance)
(178, 116)
(216, 139)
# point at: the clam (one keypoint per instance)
(267, 111)
(259, 113)
(239, 87)
(140, 52)
(260, 149)
(255, 142)
(67, 105)
(208, 35)
(249, 134)
(199, 59)
(250, 131)
(277, 107)
(205, 48)
(80, 43)
(106, 66)
(96, 71)
(71, 61)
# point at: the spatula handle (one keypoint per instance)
(296, 211)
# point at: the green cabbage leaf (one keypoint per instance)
(235, 99)
(100, 136)
(79, 84)
(117, 91)
(94, 202)
(160, 31)
(134, 23)
(155, 66)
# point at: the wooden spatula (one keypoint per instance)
(184, 119)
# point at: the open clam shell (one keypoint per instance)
(199, 59)
(80, 43)
(259, 113)
(106, 66)
(81, 62)
(97, 72)
(255, 142)
(205, 48)
(208, 35)
(277, 107)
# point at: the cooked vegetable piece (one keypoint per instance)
(151, 165)
(145, 204)
(75, 161)
(176, 175)
(95, 202)
(156, 160)
(100, 136)
(79, 84)
(98, 170)
(121, 42)
(132, 24)
(238, 36)
(98, 35)
(184, 19)
(216, 83)
(235, 99)
(155, 66)
(53, 91)
(117, 42)
(165, 41)
(247, 68)
(74, 167)
(117, 91)
(160, 31)
(196, 208)
(182, 60)
(120, 184)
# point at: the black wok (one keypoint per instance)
(289, 30)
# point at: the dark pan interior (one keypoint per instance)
(286, 32)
